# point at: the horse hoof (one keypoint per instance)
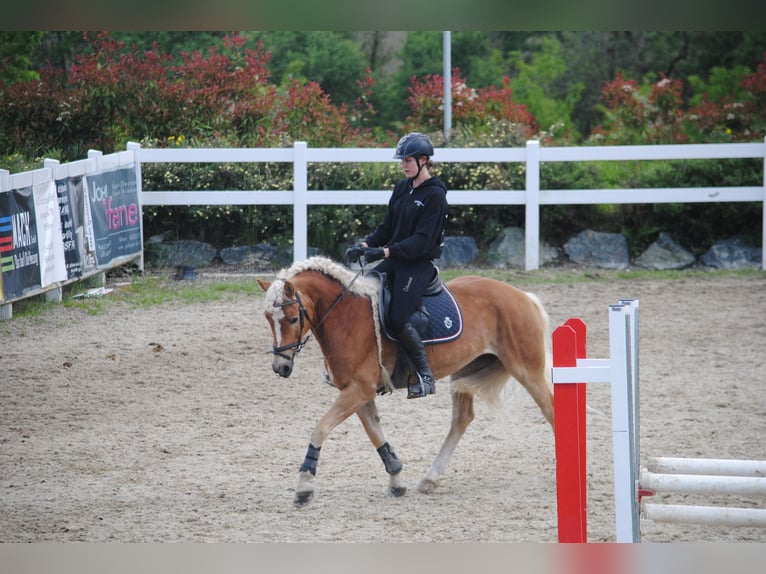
(397, 491)
(303, 498)
(427, 486)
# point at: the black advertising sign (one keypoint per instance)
(115, 214)
(19, 248)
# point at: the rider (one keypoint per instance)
(408, 240)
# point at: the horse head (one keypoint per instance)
(288, 319)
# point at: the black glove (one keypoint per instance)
(354, 253)
(373, 254)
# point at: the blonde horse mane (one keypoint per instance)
(356, 284)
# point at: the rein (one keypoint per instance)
(299, 344)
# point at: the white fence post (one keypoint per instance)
(136, 149)
(532, 208)
(96, 156)
(6, 310)
(300, 205)
(763, 207)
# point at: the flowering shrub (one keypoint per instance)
(471, 108)
(117, 93)
(635, 115)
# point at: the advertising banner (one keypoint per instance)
(19, 248)
(116, 218)
(49, 238)
(79, 253)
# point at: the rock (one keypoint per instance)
(665, 254)
(598, 249)
(160, 237)
(732, 254)
(458, 252)
(508, 249)
(173, 254)
(261, 257)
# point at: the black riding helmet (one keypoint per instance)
(414, 144)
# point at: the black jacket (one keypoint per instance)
(413, 227)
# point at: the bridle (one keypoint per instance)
(302, 313)
(299, 344)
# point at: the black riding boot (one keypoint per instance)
(413, 345)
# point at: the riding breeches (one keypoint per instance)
(409, 280)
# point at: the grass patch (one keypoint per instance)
(150, 290)
(558, 276)
(145, 291)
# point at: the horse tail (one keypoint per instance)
(546, 336)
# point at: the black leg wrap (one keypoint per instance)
(390, 460)
(312, 457)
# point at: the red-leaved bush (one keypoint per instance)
(116, 93)
(634, 117)
(471, 108)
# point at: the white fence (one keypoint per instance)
(47, 246)
(532, 197)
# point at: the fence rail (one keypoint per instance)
(300, 156)
(532, 197)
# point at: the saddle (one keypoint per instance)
(438, 320)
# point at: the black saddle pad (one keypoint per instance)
(445, 319)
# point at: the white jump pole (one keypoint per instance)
(708, 466)
(703, 484)
(707, 515)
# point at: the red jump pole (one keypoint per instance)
(569, 415)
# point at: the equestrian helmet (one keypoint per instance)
(414, 144)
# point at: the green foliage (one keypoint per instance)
(114, 93)
(702, 224)
(270, 89)
(220, 225)
(331, 59)
(334, 228)
(540, 85)
(16, 49)
(722, 83)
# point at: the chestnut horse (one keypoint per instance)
(505, 336)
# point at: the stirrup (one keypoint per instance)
(424, 386)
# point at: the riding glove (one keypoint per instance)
(373, 254)
(354, 253)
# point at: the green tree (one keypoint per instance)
(16, 49)
(721, 83)
(332, 59)
(541, 84)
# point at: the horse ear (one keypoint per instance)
(264, 284)
(289, 290)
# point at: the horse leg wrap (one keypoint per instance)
(390, 460)
(312, 457)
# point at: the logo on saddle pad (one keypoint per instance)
(439, 308)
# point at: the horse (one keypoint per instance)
(505, 337)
